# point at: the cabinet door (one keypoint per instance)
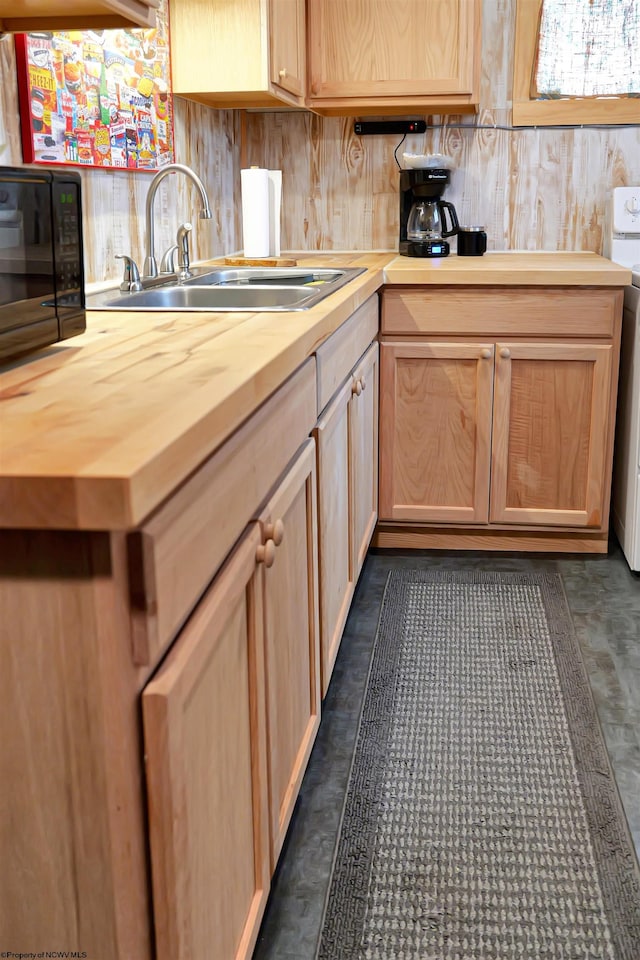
(335, 535)
(240, 53)
(36, 15)
(288, 43)
(289, 524)
(363, 433)
(435, 431)
(551, 431)
(204, 725)
(376, 49)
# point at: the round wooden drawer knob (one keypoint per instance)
(362, 382)
(283, 73)
(485, 354)
(266, 553)
(505, 353)
(356, 387)
(275, 531)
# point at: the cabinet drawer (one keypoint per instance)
(501, 311)
(174, 556)
(340, 353)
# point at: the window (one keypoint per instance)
(576, 61)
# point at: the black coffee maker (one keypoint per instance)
(423, 215)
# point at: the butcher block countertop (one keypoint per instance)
(97, 431)
(511, 269)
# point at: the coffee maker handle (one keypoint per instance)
(453, 217)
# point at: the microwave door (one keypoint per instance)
(27, 277)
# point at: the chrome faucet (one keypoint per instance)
(150, 265)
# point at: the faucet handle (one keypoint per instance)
(168, 262)
(182, 239)
(131, 276)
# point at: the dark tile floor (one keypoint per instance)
(604, 597)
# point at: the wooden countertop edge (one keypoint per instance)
(100, 500)
(108, 502)
(220, 422)
(509, 269)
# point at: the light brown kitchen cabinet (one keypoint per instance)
(156, 837)
(229, 722)
(287, 60)
(363, 435)
(550, 432)
(289, 524)
(376, 57)
(435, 411)
(243, 53)
(335, 528)
(347, 449)
(502, 434)
(25, 17)
(206, 764)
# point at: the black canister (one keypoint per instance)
(472, 241)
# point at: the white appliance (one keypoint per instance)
(622, 245)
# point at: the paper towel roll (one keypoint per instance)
(255, 211)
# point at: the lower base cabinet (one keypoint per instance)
(347, 439)
(160, 832)
(363, 442)
(500, 436)
(506, 433)
(289, 522)
(229, 722)
(206, 760)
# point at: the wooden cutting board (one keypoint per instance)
(264, 262)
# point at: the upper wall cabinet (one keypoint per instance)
(393, 56)
(25, 16)
(241, 53)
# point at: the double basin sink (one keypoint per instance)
(232, 288)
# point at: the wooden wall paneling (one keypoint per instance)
(498, 24)
(347, 188)
(531, 189)
(114, 215)
(269, 139)
(114, 200)
(479, 185)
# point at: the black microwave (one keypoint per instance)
(41, 262)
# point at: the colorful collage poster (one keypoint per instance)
(97, 98)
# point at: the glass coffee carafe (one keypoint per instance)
(427, 221)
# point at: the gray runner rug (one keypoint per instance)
(482, 820)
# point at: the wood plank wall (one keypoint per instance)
(114, 201)
(531, 189)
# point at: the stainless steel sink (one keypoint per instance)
(194, 297)
(233, 288)
(281, 276)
